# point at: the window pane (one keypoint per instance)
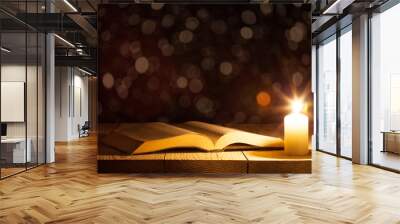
(346, 94)
(327, 96)
(385, 84)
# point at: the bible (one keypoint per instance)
(140, 138)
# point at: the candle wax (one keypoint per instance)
(296, 134)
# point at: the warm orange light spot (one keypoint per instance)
(263, 98)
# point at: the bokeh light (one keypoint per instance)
(167, 50)
(297, 32)
(192, 71)
(205, 105)
(226, 68)
(108, 80)
(148, 26)
(122, 91)
(195, 85)
(204, 62)
(142, 65)
(182, 82)
(157, 6)
(246, 32)
(185, 36)
(192, 23)
(266, 9)
(263, 98)
(135, 49)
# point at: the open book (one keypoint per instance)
(138, 138)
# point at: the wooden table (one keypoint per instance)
(391, 141)
(260, 161)
(13, 150)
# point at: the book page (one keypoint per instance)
(137, 138)
(214, 132)
(223, 136)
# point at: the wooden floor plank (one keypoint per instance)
(71, 191)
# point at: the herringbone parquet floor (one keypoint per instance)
(70, 191)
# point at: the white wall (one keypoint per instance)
(82, 82)
(16, 72)
(9, 73)
(62, 81)
(71, 102)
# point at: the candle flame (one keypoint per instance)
(297, 106)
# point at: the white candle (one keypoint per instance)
(296, 131)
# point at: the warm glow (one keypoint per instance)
(297, 106)
(296, 130)
(263, 98)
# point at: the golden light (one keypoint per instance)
(263, 98)
(296, 130)
(297, 106)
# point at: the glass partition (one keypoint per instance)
(15, 150)
(327, 96)
(22, 77)
(346, 93)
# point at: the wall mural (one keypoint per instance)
(218, 66)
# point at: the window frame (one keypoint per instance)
(380, 9)
(27, 29)
(334, 37)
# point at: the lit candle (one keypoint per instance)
(296, 131)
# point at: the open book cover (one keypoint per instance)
(139, 138)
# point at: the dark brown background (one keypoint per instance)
(225, 64)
